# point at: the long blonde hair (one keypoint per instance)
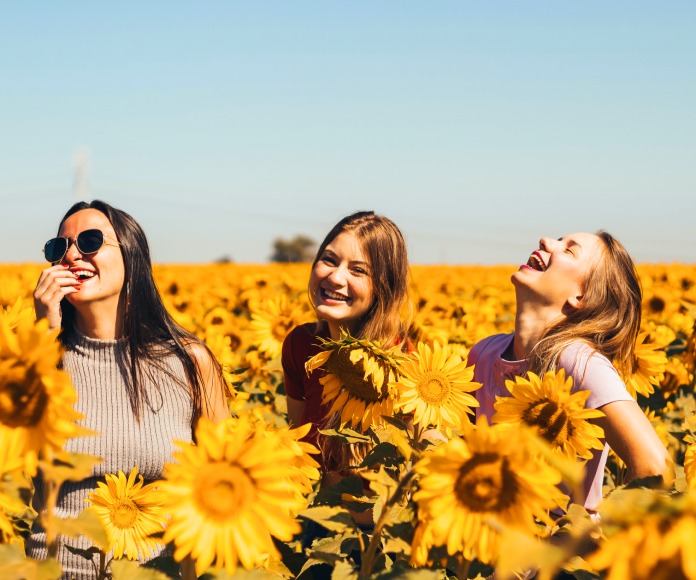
(608, 318)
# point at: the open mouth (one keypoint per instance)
(83, 274)
(328, 294)
(536, 263)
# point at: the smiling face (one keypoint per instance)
(555, 274)
(340, 284)
(101, 274)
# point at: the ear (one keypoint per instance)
(575, 301)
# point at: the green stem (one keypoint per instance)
(368, 556)
(49, 516)
(463, 568)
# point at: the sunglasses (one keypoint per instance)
(87, 242)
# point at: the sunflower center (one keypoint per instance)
(283, 325)
(222, 490)
(124, 513)
(23, 398)
(352, 376)
(486, 483)
(656, 305)
(551, 419)
(434, 388)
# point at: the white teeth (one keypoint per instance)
(83, 273)
(537, 263)
(333, 295)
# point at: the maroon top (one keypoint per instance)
(301, 344)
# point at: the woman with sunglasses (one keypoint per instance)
(142, 380)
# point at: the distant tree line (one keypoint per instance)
(299, 249)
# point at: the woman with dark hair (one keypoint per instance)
(578, 309)
(142, 381)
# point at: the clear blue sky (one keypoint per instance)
(476, 126)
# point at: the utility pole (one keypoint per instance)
(81, 175)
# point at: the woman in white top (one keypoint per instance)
(579, 308)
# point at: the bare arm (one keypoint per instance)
(214, 405)
(295, 411)
(630, 434)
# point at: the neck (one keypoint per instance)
(99, 322)
(335, 329)
(530, 324)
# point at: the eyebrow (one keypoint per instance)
(353, 262)
(571, 242)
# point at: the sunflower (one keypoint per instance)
(472, 486)
(272, 320)
(557, 413)
(12, 314)
(647, 368)
(690, 461)
(358, 380)
(649, 535)
(229, 493)
(306, 471)
(36, 398)
(434, 385)
(131, 514)
(11, 465)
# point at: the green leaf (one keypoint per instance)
(165, 564)
(131, 570)
(402, 573)
(382, 454)
(257, 573)
(347, 435)
(87, 524)
(79, 468)
(332, 495)
(344, 570)
(335, 519)
(520, 552)
(15, 566)
(342, 544)
(87, 554)
(398, 423)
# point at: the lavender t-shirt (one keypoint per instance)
(590, 370)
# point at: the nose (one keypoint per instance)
(337, 276)
(546, 244)
(73, 254)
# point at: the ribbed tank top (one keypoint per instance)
(99, 371)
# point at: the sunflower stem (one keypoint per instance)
(103, 575)
(49, 516)
(463, 568)
(369, 556)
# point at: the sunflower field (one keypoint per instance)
(436, 494)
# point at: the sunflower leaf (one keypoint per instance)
(344, 570)
(336, 519)
(87, 524)
(13, 564)
(131, 570)
(87, 554)
(346, 435)
(78, 468)
(396, 422)
(382, 454)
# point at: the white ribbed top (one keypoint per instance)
(98, 369)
